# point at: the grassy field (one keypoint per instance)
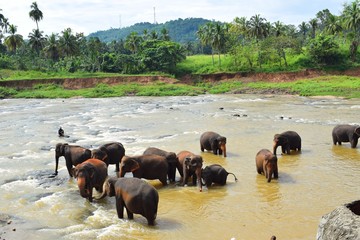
(339, 86)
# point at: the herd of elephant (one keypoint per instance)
(90, 168)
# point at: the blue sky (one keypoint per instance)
(89, 16)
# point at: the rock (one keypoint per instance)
(342, 223)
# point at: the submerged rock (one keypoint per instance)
(342, 223)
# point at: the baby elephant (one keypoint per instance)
(346, 133)
(215, 174)
(288, 140)
(266, 162)
(136, 195)
(213, 141)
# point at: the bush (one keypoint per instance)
(324, 50)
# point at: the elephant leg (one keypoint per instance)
(69, 167)
(129, 213)
(215, 151)
(354, 143)
(117, 168)
(276, 173)
(185, 176)
(120, 207)
(163, 180)
(282, 149)
(202, 147)
(220, 151)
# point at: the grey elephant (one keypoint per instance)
(190, 165)
(171, 159)
(90, 174)
(266, 162)
(213, 141)
(145, 166)
(136, 196)
(73, 155)
(346, 133)
(110, 153)
(288, 140)
(215, 173)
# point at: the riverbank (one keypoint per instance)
(307, 83)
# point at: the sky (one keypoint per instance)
(88, 16)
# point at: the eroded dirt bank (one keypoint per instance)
(78, 83)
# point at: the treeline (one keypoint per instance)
(325, 40)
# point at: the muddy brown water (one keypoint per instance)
(310, 184)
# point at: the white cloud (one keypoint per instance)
(88, 16)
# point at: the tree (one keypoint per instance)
(51, 48)
(68, 43)
(165, 34)
(13, 41)
(218, 38)
(351, 15)
(278, 28)
(333, 25)
(132, 42)
(304, 28)
(257, 27)
(35, 14)
(324, 50)
(314, 24)
(36, 40)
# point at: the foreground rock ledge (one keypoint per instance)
(342, 223)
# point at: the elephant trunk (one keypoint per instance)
(198, 176)
(104, 192)
(223, 148)
(275, 147)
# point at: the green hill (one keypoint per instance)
(180, 30)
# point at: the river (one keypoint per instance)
(310, 184)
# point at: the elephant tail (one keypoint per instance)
(234, 176)
(103, 193)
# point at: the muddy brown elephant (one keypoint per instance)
(288, 140)
(212, 141)
(171, 159)
(190, 165)
(90, 174)
(266, 162)
(145, 166)
(215, 173)
(136, 196)
(346, 133)
(110, 153)
(73, 155)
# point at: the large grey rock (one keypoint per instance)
(342, 223)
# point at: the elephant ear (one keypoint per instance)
(222, 140)
(357, 131)
(134, 165)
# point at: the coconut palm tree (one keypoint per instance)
(132, 42)
(351, 15)
(36, 14)
(333, 24)
(257, 27)
(51, 48)
(36, 40)
(303, 28)
(278, 28)
(68, 43)
(14, 40)
(165, 34)
(314, 25)
(205, 34)
(218, 38)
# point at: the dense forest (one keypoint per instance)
(180, 30)
(255, 44)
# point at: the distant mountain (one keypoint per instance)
(181, 30)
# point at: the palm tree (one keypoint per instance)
(132, 42)
(205, 34)
(13, 41)
(35, 14)
(278, 28)
(165, 34)
(36, 40)
(333, 24)
(314, 24)
(304, 28)
(68, 43)
(218, 38)
(257, 27)
(351, 16)
(51, 48)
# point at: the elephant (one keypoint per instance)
(266, 162)
(346, 133)
(91, 174)
(145, 166)
(190, 165)
(215, 173)
(171, 159)
(288, 140)
(136, 195)
(73, 155)
(213, 141)
(110, 153)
